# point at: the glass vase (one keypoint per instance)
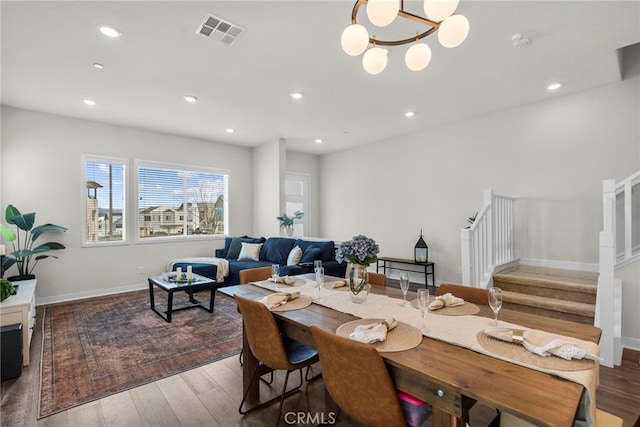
(358, 283)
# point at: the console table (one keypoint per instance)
(21, 308)
(428, 268)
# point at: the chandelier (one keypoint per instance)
(452, 31)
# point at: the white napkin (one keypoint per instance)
(373, 332)
(338, 284)
(446, 300)
(286, 280)
(542, 343)
(278, 298)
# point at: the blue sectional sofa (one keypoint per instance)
(274, 250)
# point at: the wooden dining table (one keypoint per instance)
(451, 378)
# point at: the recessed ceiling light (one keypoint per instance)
(98, 66)
(409, 114)
(190, 98)
(109, 31)
(296, 95)
(318, 141)
(554, 86)
(229, 130)
(89, 102)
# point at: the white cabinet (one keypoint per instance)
(21, 308)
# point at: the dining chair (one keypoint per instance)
(377, 279)
(254, 275)
(357, 379)
(272, 349)
(473, 295)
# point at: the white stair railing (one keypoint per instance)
(609, 297)
(489, 242)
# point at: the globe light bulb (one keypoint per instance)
(453, 31)
(355, 39)
(374, 60)
(417, 57)
(439, 10)
(382, 12)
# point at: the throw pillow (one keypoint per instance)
(294, 256)
(236, 247)
(311, 254)
(250, 251)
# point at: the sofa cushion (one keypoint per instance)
(235, 245)
(294, 256)
(327, 248)
(276, 250)
(250, 251)
(311, 254)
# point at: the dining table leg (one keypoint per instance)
(248, 365)
(441, 418)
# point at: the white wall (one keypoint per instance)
(552, 156)
(268, 187)
(41, 172)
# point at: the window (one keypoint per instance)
(104, 200)
(180, 201)
(297, 199)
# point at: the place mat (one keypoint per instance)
(327, 285)
(295, 304)
(402, 337)
(467, 308)
(298, 282)
(518, 353)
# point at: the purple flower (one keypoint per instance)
(359, 250)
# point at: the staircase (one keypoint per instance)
(551, 292)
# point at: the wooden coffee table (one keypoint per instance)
(198, 283)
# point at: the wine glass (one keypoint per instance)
(317, 264)
(319, 283)
(275, 272)
(423, 305)
(404, 285)
(495, 302)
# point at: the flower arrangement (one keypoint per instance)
(359, 250)
(287, 221)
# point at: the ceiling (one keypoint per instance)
(49, 48)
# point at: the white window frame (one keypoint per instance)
(125, 189)
(138, 163)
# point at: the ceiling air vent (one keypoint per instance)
(220, 29)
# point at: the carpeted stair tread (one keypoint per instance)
(552, 304)
(572, 281)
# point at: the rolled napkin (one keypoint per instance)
(339, 284)
(286, 280)
(542, 343)
(446, 300)
(278, 298)
(373, 332)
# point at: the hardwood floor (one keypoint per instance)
(210, 395)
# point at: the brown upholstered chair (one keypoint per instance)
(272, 349)
(473, 295)
(358, 381)
(254, 275)
(377, 279)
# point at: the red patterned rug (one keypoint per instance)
(97, 347)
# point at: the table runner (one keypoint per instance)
(457, 330)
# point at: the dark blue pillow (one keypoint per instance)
(236, 247)
(327, 248)
(276, 250)
(311, 254)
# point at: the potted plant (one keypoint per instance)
(287, 221)
(359, 253)
(25, 254)
(6, 289)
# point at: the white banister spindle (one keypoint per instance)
(628, 224)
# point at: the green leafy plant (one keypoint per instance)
(25, 253)
(287, 221)
(6, 289)
(471, 220)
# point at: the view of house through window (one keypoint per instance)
(104, 200)
(179, 201)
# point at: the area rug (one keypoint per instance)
(97, 347)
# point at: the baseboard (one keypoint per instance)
(90, 294)
(631, 343)
(565, 265)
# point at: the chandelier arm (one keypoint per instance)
(434, 25)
